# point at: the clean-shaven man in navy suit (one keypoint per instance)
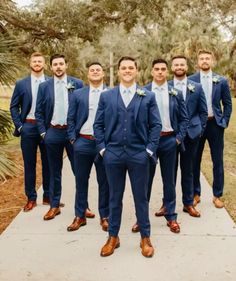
(127, 130)
(51, 115)
(23, 115)
(197, 112)
(81, 114)
(174, 119)
(219, 105)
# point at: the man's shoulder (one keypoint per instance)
(24, 80)
(81, 91)
(75, 79)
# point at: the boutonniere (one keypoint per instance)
(70, 86)
(141, 92)
(173, 92)
(191, 88)
(216, 79)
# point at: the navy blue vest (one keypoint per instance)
(124, 137)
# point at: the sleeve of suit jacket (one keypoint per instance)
(15, 106)
(182, 118)
(40, 109)
(71, 117)
(226, 100)
(202, 108)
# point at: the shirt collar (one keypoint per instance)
(40, 78)
(99, 89)
(63, 80)
(164, 86)
(203, 75)
(180, 82)
(132, 88)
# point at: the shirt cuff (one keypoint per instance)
(149, 152)
(102, 151)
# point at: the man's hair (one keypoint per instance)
(178, 57)
(127, 58)
(94, 63)
(159, 61)
(57, 56)
(36, 54)
(204, 51)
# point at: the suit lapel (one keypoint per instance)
(187, 92)
(171, 103)
(137, 100)
(114, 100)
(29, 90)
(214, 86)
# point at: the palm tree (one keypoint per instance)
(8, 68)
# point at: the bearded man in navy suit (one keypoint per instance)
(51, 114)
(197, 112)
(219, 106)
(23, 115)
(127, 129)
(81, 114)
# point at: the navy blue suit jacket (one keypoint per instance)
(178, 112)
(45, 101)
(21, 102)
(220, 94)
(146, 114)
(196, 107)
(78, 111)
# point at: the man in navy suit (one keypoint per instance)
(219, 107)
(174, 125)
(23, 115)
(51, 114)
(81, 114)
(127, 129)
(197, 112)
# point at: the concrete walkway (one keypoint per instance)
(36, 250)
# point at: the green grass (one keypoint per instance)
(229, 165)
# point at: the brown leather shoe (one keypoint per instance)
(110, 246)
(135, 228)
(161, 212)
(147, 248)
(104, 224)
(174, 226)
(52, 213)
(76, 224)
(196, 200)
(89, 214)
(218, 202)
(192, 211)
(46, 201)
(29, 206)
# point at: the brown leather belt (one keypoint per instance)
(165, 134)
(58, 126)
(210, 118)
(31, 121)
(89, 137)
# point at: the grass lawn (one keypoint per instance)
(229, 165)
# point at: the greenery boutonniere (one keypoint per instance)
(216, 79)
(191, 88)
(141, 92)
(70, 86)
(173, 92)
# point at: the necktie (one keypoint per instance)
(126, 97)
(159, 98)
(61, 103)
(206, 89)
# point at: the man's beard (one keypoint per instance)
(178, 74)
(205, 67)
(37, 70)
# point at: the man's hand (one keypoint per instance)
(178, 142)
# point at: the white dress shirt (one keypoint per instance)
(94, 95)
(206, 81)
(181, 85)
(56, 112)
(162, 98)
(35, 81)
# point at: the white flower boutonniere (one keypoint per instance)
(70, 86)
(216, 79)
(191, 88)
(173, 92)
(141, 92)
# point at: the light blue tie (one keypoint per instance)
(61, 103)
(206, 89)
(126, 97)
(159, 93)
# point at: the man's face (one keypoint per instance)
(205, 61)
(59, 67)
(179, 67)
(95, 73)
(37, 64)
(159, 73)
(127, 72)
